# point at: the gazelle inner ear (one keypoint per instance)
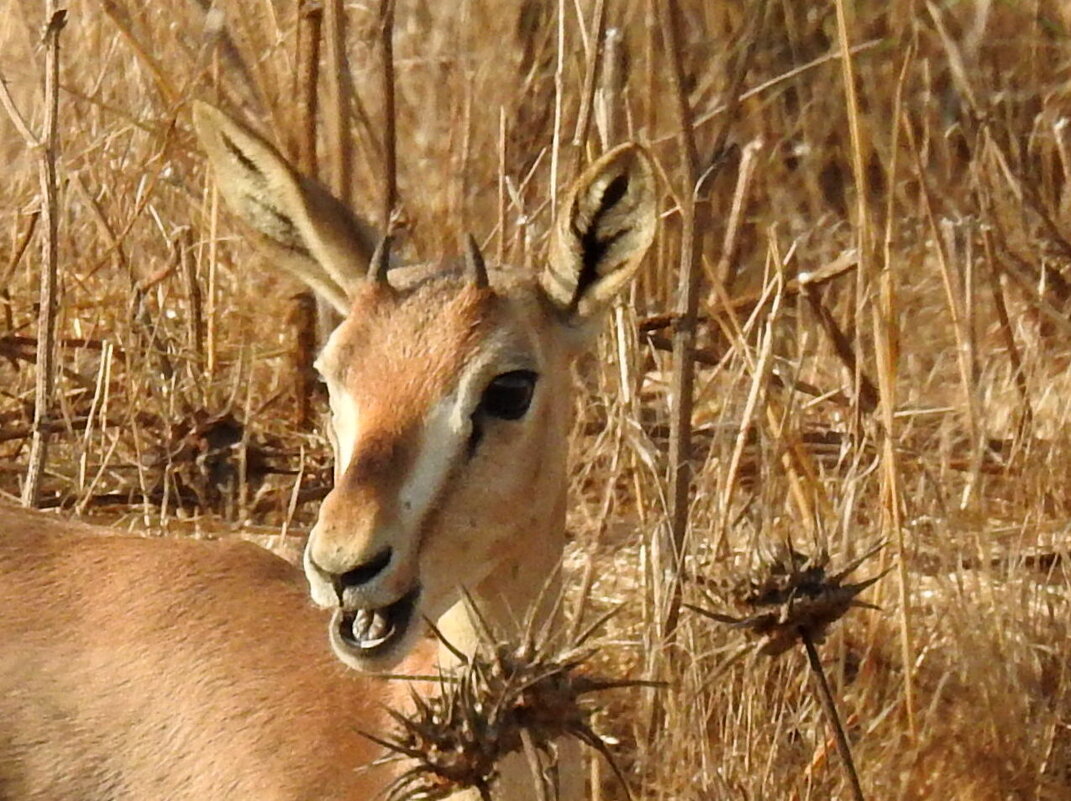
(304, 228)
(604, 228)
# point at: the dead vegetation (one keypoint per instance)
(881, 347)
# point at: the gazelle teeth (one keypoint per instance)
(370, 627)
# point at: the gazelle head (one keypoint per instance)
(449, 388)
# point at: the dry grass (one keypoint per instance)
(919, 394)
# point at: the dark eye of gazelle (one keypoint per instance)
(509, 395)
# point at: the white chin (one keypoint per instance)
(322, 593)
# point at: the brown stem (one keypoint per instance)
(310, 18)
(829, 706)
(390, 160)
(339, 96)
(684, 346)
(310, 23)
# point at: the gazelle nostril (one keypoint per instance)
(362, 574)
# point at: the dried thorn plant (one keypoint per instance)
(793, 598)
(507, 698)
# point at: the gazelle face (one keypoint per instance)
(449, 411)
(449, 389)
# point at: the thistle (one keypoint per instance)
(505, 699)
(794, 598)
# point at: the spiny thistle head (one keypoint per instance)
(505, 699)
(793, 595)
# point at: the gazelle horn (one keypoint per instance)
(474, 266)
(377, 267)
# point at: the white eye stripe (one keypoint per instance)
(445, 432)
(443, 442)
(443, 438)
(344, 422)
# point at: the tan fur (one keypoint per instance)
(128, 648)
(172, 669)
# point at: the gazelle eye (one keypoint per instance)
(509, 395)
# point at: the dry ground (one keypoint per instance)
(915, 390)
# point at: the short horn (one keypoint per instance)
(475, 268)
(377, 267)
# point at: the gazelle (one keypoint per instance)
(170, 669)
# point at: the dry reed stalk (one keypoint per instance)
(461, 155)
(690, 277)
(559, 101)
(592, 69)
(502, 206)
(1000, 306)
(183, 245)
(886, 332)
(390, 138)
(866, 395)
(649, 290)
(651, 40)
(667, 544)
(302, 318)
(726, 270)
(307, 331)
(94, 409)
(55, 19)
(240, 493)
(309, 15)
(338, 102)
(614, 80)
(864, 389)
(99, 406)
(19, 250)
(210, 210)
(671, 548)
(120, 17)
(337, 109)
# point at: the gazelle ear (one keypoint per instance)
(604, 228)
(310, 233)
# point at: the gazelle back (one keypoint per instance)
(164, 669)
(142, 669)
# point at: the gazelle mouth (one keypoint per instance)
(371, 632)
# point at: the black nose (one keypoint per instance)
(361, 574)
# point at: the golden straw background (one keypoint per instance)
(882, 344)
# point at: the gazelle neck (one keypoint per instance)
(525, 586)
